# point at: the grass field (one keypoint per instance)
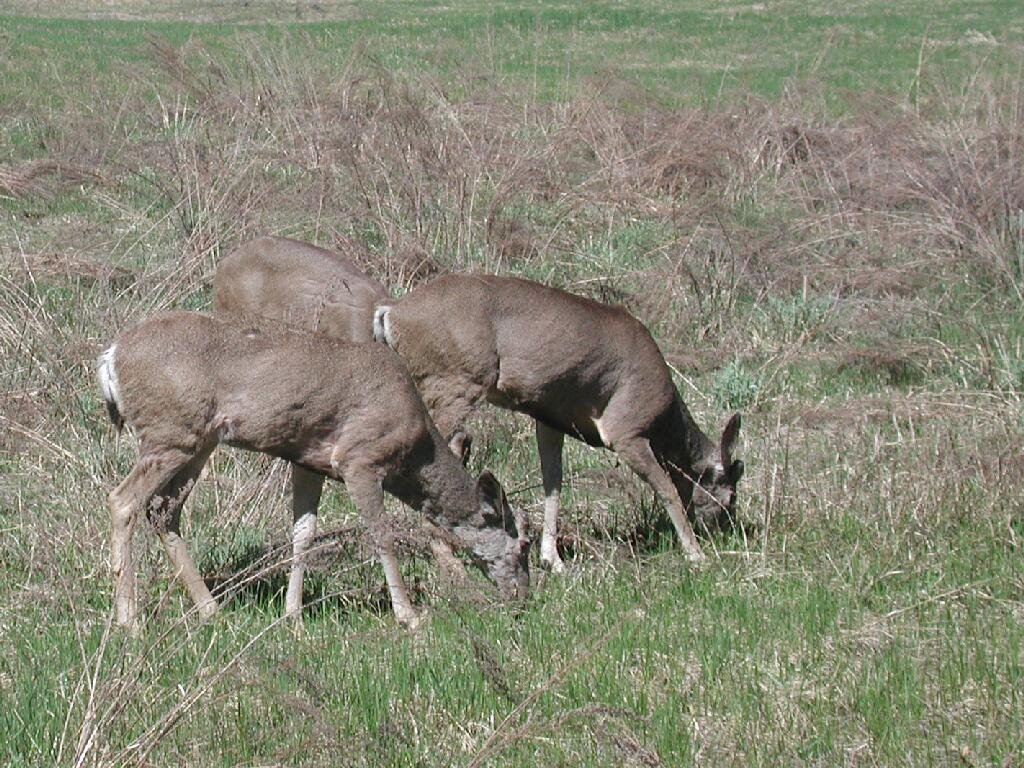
(818, 210)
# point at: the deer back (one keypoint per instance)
(563, 359)
(300, 285)
(187, 378)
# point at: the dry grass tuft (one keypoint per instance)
(31, 179)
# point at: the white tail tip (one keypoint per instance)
(382, 325)
(110, 389)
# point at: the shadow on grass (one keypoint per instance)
(336, 582)
(651, 531)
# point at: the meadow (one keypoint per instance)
(817, 209)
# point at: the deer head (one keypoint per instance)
(502, 546)
(714, 492)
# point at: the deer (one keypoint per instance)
(309, 288)
(186, 382)
(578, 368)
(299, 285)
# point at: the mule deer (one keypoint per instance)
(300, 285)
(185, 382)
(309, 288)
(579, 368)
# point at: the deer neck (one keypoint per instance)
(437, 485)
(681, 446)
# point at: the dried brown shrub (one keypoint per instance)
(896, 363)
(764, 196)
(30, 179)
(68, 265)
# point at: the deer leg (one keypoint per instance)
(549, 446)
(449, 563)
(366, 492)
(637, 453)
(123, 511)
(306, 489)
(150, 473)
(165, 514)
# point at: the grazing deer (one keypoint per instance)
(299, 285)
(579, 368)
(312, 289)
(186, 382)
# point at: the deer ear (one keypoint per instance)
(488, 488)
(735, 471)
(729, 435)
(461, 444)
(489, 493)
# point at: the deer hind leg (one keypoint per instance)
(165, 514)
(151, 472)
(637, 453)
(366, 492)
(549, 446)
(306, 489)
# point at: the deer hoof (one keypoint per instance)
(696, 558)
(550, 559)
(208, 609)
(131, 627)
(294, 618)
(412, 620)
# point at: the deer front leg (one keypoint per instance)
(451, 566)
(549, 446)
(637, 453)
(306, 490)
(366, 492)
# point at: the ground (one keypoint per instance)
(817, 209)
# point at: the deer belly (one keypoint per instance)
(584, 429)
(562, 403)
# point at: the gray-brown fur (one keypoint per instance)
(302, 286)
(184, 382)
(299, 284)
(579, 368)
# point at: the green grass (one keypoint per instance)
(694, 52)
(806, 666)
(871, 609)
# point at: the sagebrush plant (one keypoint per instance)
(850, 280)
(735, 387)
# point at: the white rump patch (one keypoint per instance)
(106, 375)
(382, 325)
